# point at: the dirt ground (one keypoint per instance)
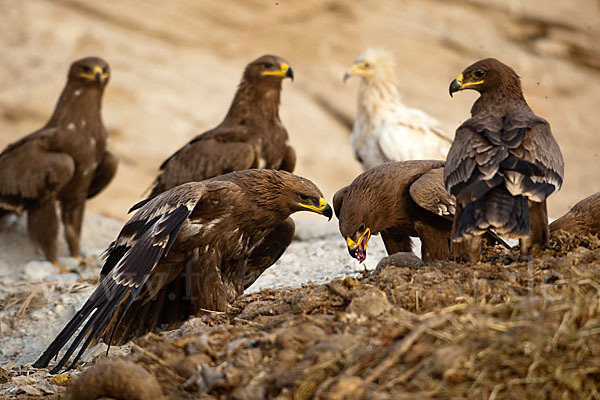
(501, 329)
(176, 65)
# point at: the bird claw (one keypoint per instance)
(84, 261)
(61, 268)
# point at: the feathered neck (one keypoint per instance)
(78, 101)
(506, 96)
(255, 100)
(379, 91)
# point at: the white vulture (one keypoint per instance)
(385, 129)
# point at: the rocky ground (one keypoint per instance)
(36, 301)
(314, 326)
(498, 329)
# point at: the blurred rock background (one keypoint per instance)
(176, 65)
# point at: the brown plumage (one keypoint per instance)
(194, 247)
(503, 163)
(398, 200)
(583, 218)
(66, 161)
(250, 136)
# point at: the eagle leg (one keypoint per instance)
(72, 217)
(538, 217)
(396, 242)
(465, 249)
(103, 174)
(435, 244)
(42, 226)
(289, 160)
(269, 251)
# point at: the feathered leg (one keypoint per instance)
(72, 217)
(289, 160)
(396, 242)
(104, 174)
(269, 251)
(538, 217)
(42, 226)
(435, 244)
(464, 250)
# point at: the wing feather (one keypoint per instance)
(130, 260)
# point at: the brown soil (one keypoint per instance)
(498, 329)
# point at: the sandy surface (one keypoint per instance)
(176, 65)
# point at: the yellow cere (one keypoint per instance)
(95, 71)
(460, 79)
(283, 69)
(322, 205)
(352, 244)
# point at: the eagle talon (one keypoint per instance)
(61, 268)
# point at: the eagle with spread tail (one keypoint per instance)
(65, 162)
(250, 136)
(503, 163)
(196, 246)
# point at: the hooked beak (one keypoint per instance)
(358, 249)
(323, 208)
(354, 70)
(96, 75)
(285, 71)
(454, 87)
(459, 84)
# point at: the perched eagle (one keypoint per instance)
(399, 200)
(583, 218)
(503, 163)
(66, 162)
(250, 136)
(193, 247)
(385, 129)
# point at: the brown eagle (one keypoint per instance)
(503, 163)
(66, 161)
(583, 218)
(398, 200)
(196, 246)
(250, 136)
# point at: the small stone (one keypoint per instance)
(370, 304)
(399, 260)
(38, 270)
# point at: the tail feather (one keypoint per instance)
(96, 311)
(498, 210)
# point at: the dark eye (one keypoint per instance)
(479, 73)
(104, 69)
(87, 69)
(268, 65)
(367, 65)
(361, 228)
(303, 197)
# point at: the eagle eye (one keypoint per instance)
(361, 228)
(479, 73)
(86, 69)
(303, 197)
(268, 65)
(367, 65)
